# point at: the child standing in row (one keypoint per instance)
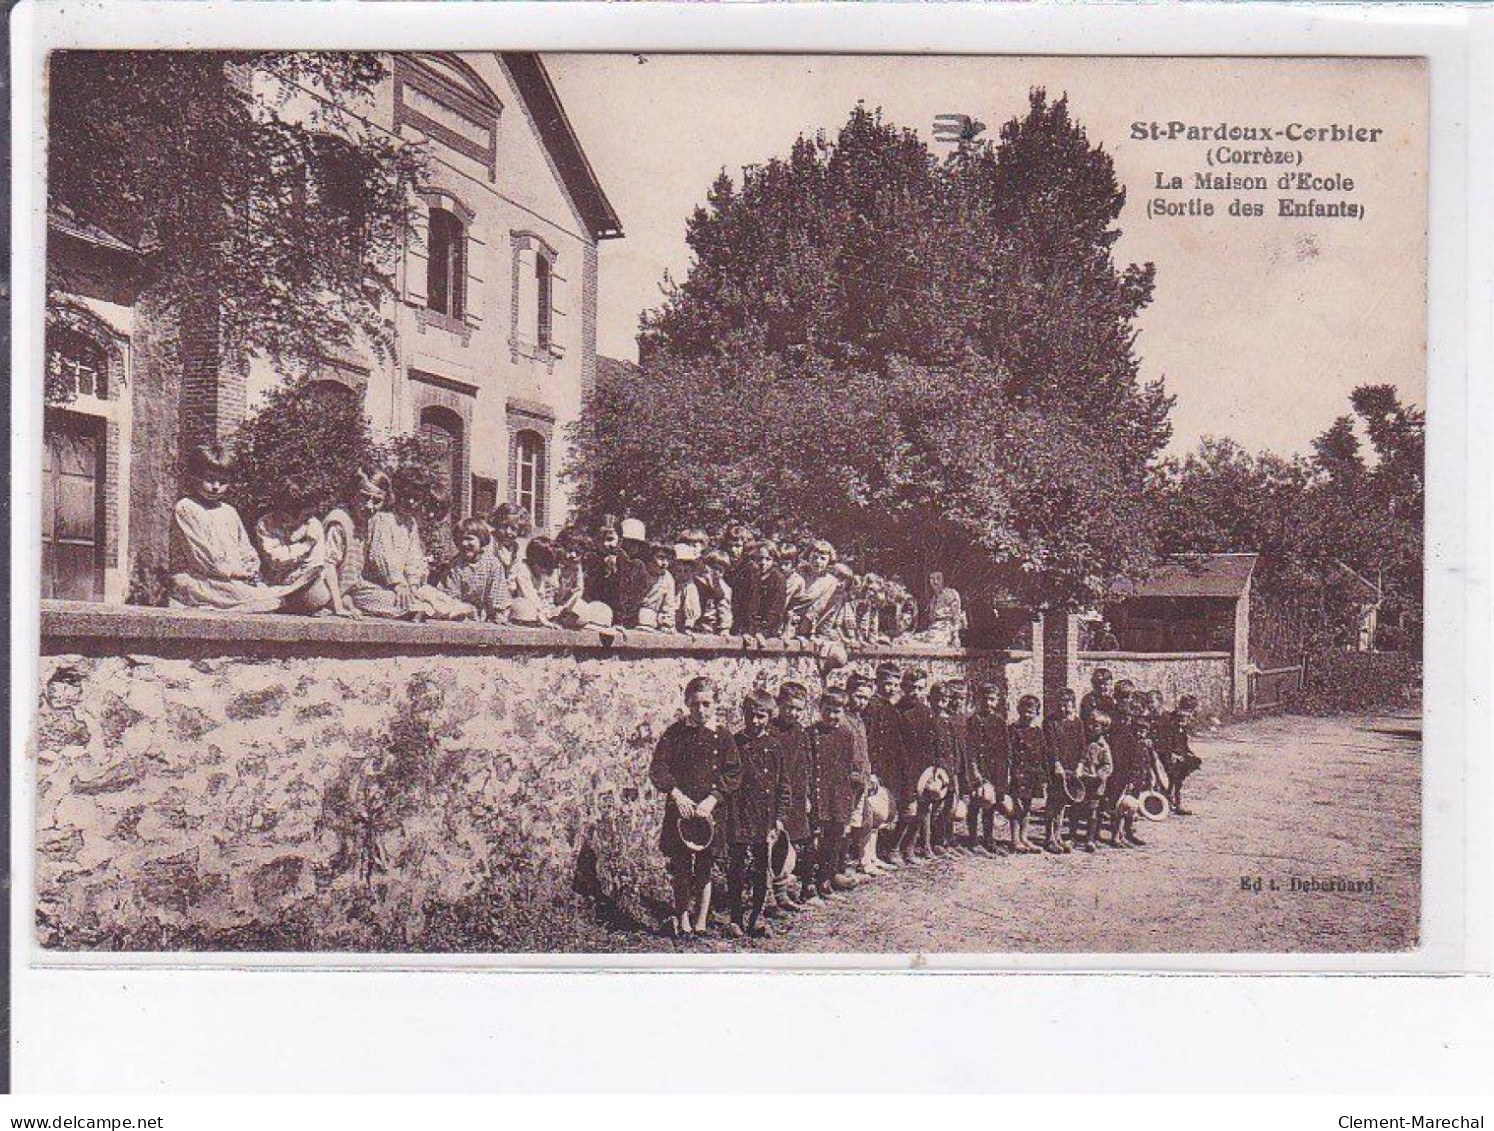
(1065, 738)
(697, 767)
(1029, 766)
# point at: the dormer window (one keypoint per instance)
(446, 270)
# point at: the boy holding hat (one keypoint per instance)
(884, 743)
(835, 788)
(862, 847)
(758, 808)
(990, 761)
(696, 766)
(918, 739)
(793, 748)
(953, 756)
(612, 574)
(1029, 755)
(1172, 743)
(1064, 734)
(1128, 758)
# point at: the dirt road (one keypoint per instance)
(1278, 798)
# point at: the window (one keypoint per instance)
(484, 495)
(538, 298)
(441, 429)
(543, 291)
(76, 366)
(529, 475)
(340, 192)
(446, 271)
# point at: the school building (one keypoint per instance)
(494, 344)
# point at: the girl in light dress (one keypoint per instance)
(386, 572)
(213, 561)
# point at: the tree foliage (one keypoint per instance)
(930, 362)
(1317, 521)
(248, 183)
(302, 451)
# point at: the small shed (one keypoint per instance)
(1196, 603)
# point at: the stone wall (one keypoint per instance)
(1205, 674)
(213, 782)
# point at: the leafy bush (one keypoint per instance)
(305, 447)
(1342, 682)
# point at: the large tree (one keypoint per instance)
(253, 189)
(930, 362)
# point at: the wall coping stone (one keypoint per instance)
(1145, 656)
(84, 627)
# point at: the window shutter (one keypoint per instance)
(526, 311)
(558, 306)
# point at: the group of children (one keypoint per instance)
(800, 806)
(368, 559)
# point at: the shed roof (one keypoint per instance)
(1196, 575)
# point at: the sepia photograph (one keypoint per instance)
(740, 505)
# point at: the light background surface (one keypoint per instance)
(227, 1029)
(1260, 327)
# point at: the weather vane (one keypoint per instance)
(957, 128)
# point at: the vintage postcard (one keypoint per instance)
(650, 506)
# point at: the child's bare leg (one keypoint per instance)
(703, 917)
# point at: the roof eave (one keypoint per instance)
(557, 133)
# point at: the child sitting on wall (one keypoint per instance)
(475, 575)
(397, 563)
(214, 565)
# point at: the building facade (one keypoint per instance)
(494, 330)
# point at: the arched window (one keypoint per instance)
(446, 271)
(441, 429)
(76, 366)
(331, 393)
(529, 475)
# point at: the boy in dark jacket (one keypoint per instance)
(759, 591)
(696, 767)
(917, 755)
(835, 787)
(1064, 734)
(1128, 755)
(952, 754)
(1099, 696)
(613, 576)
(884, 740)
(1029, 755)
(989, 759)
(1172, 732)
(757, 809)
(793, 748)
